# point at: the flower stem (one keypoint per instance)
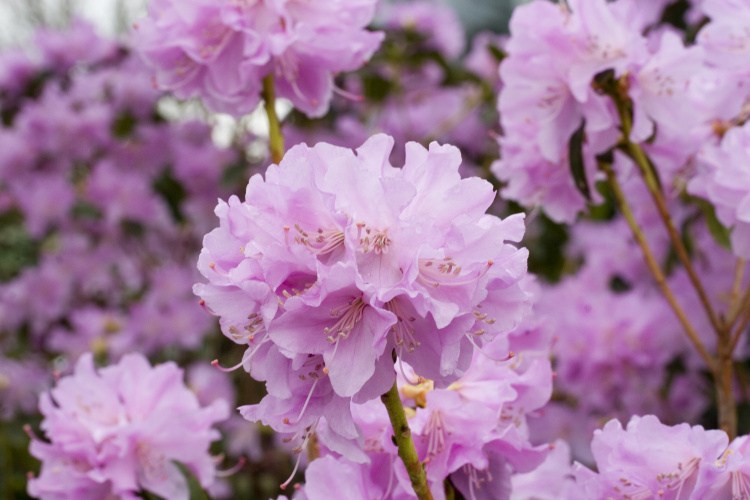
(744, 321)
(653, 266)
(739, 274)
(275, 139)
(723, 379)
(406, 449)
(740, 306)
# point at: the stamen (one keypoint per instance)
(30, 432)
(304, 406)
(323, 242)
(470, 335)
(388, 489)
(445, 272)
(348, 95)
(740, 485)
(298, 450)
(294, 471)
(475, 481)
(435, 435)
(349, 315)
(373, 240)
(403, 331)
(215, 364)
(680, 477)
(232, 470)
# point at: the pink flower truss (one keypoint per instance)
(222, 50)
(555, 53)
(648, 459)
(117, 431)
(336, 259)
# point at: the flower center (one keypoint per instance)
(445, 272)
(435, 431)
(347, 316)
(322, 242)
(403, 330)
(373, 240)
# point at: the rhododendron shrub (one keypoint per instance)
(505, 265)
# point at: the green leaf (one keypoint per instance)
(719, 232)
(577, 166)
(172, 191)
(497, 52)
(195, 488)
(123, 125)
(18, 249)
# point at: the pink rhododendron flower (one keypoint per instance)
(118, 430)
(649, 459)
(222, 50)
(337, 259)
(340, 255)
(555, 54)
(329, 477)
(552, 480)
(729, 475)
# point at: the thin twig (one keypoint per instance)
(742, 305)
(638, 155)
(653, 266)
(743, 324)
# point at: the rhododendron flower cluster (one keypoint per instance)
(337, 259)
(119, 430)
(553, 85)
(222, 50)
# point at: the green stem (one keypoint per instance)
(275, 139)
(406, 449)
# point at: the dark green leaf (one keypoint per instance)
(718, 230)
(196, 491)
(575, 155)
(123, 125)
(497, 52)
(173, 192)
